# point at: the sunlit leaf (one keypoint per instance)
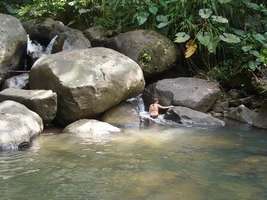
(162, 18)
(142, 17)
(191, 48)
(208, 40)
(205, 13)
(162, 25)
(224, 1)
(219, 19)
(247, 48)
(153, 9)
(181, 37)
(230, 38)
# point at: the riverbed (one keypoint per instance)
(152, 164)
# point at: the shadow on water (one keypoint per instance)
(155, 163)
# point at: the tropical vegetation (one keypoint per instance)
(223, 39)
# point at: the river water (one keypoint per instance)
(151, 164)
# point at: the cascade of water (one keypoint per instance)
(49, 48)
(34, 49)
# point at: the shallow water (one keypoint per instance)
(157, 163)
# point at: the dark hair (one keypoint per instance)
(155, 99)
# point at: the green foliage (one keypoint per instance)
(229, 34)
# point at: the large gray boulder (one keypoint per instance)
(91, 129)
(242, 114)
(187, 116)
(195, 93)
(13, 40)
(87, 82)
(154, 52)
(260, 118)
(67, 38)
(43, 102)
(19, 81)
(18, 125)
(124, 115)
(98, 35)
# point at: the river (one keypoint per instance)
(152, 164)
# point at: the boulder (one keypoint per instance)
(187, 116)
(13, 40)
(19, 81)
(18, 126)
(98, 35)
(124, 115)
(154, 52)
(43, 102)
(91, 129)
(67, 38)
(195, 93)
(241, 113)
(44, 30)
(88, 82)
(260, 118)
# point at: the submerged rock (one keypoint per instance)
(187, 116)
(88, 82)
(19, 82)
(123, 115)
(13, 40)
(91, 129)
(154, 52)
(198, 94)
(18, 125)
(43, 102)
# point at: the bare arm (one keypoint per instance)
(164, 107)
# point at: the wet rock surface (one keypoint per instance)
(18, 126)
(43, 102)
(187, 116)
(124, 115)
(19, 82)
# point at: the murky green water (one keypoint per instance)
(156, 164)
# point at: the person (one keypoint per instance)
(154, 108)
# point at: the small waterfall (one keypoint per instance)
(49, 47)
(36, 50)
(138, 102)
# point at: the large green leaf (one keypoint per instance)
(162, 18)
(181, 37)
(230, 38)
(162, 25)
(260, 38)
(208, 40)
(142, 18)
(219, 19)
(205, 13)
(224, 1)
(153, 9)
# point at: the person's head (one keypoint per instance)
(156, 100)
